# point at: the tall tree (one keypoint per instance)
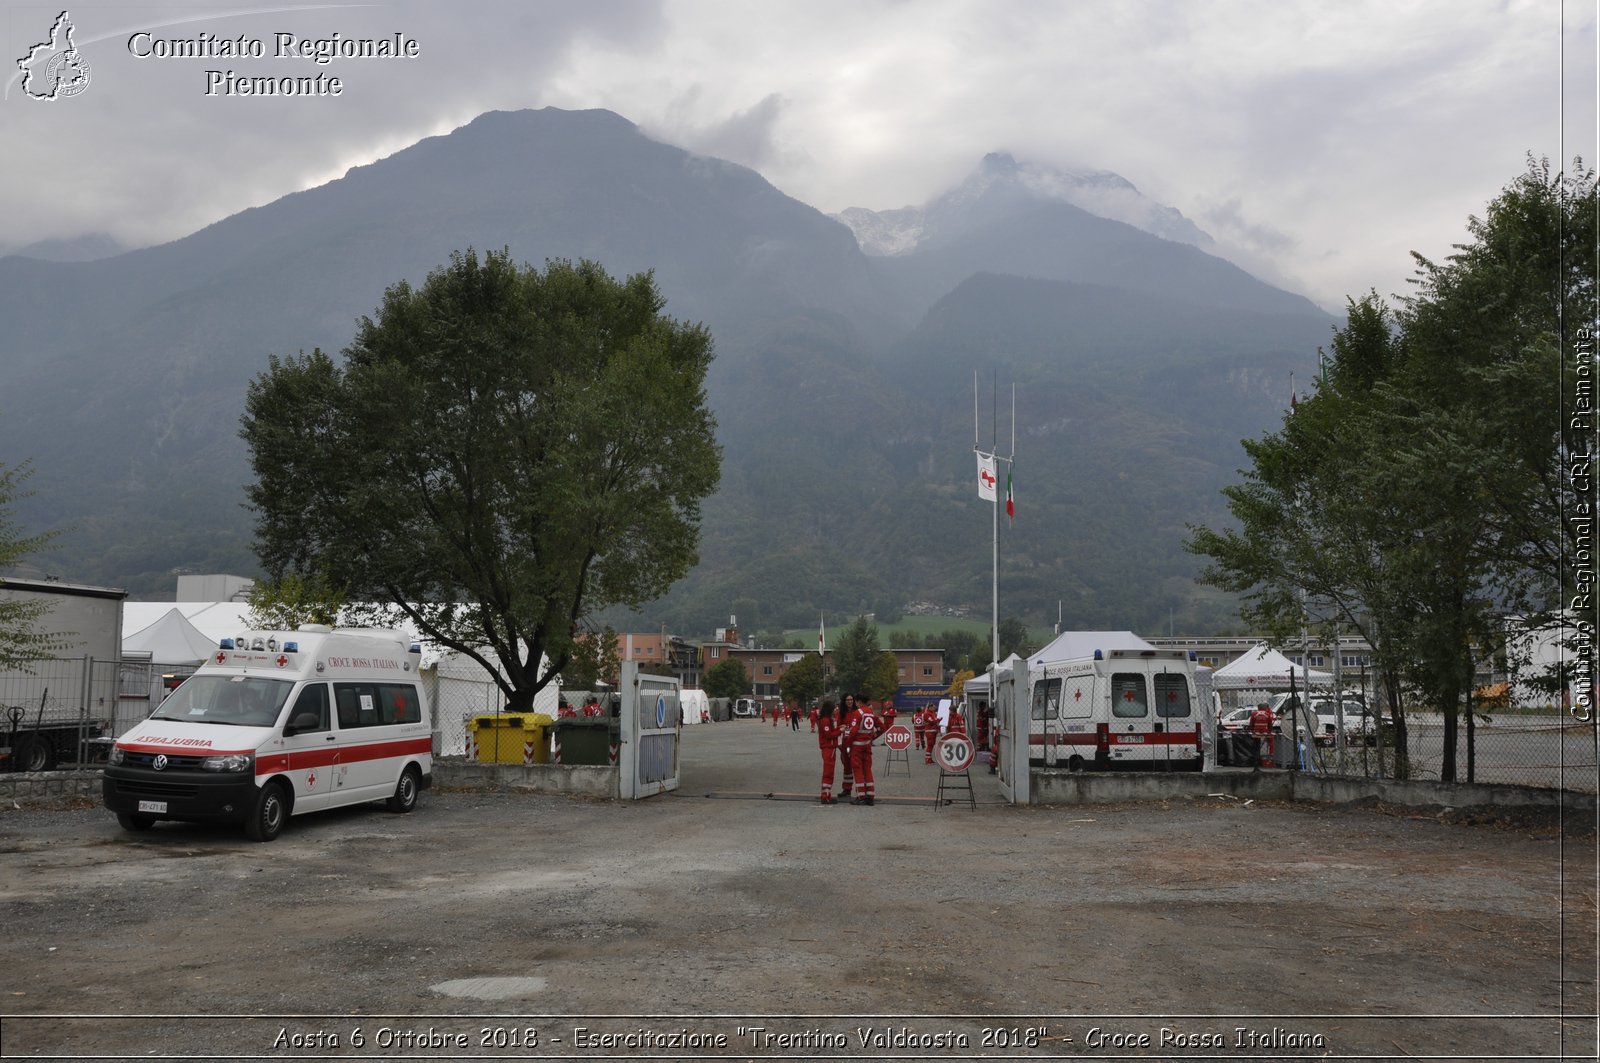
(803, 680)
(503, 452)
(293, 599)
(1420, 489)
(727, 680)
(883, 677)
(21, 639)
(853, 655)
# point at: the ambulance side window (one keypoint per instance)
(358, 705)
(313, 701)
(1128, 695)
(398, 703)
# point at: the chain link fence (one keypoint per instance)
(1523, 748)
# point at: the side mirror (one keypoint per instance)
(306, 721)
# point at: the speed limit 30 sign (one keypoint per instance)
(955, 752)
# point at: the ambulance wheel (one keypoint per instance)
(267, 818)
(134, 821)
(405, 791)
(1075, 763)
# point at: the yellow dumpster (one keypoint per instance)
(509, 738)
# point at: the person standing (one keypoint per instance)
(860, 735)
(919, 726)
(847, 716)
(794, 716)
(827, 728)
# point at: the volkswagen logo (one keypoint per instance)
(160, 763)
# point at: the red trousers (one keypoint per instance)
(847, 770)
(827, 770)
(861, 761)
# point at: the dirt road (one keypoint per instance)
(682, 924)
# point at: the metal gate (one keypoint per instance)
(1013, 769)
(649, 727)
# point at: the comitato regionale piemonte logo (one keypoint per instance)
(54, 69)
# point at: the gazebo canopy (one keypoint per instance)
(1266, 669)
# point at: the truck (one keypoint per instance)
(58, 711)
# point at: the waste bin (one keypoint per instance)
(585, 739)
(511, 738)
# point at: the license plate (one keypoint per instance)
(1131, 740)
(152, 806)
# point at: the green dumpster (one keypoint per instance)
(511, 738)
(585, 740)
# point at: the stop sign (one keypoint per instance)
(898, 737)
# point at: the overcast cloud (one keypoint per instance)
(1318, 142)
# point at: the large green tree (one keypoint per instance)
(1420, 489)
(853, 655)
(883, 677)
(803, 680)
(21, 638)
(502, 452)
(727, 680)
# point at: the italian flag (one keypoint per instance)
(1011, 503)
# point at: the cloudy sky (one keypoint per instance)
(1320, 141)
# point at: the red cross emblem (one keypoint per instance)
(311, 779)
(1172, 695)
(282, 660)
(987, 477)
(1077, 695)
(221, 656)
(1127, 695)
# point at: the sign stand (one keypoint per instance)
(897, 740)
(954, 754)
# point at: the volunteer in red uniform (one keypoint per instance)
(847, 715)
(957, 724)
(1261, 720)
(919, 726)
(931, 739)
(813, 715)
(826, 724)
(887, 714)
(860, 735)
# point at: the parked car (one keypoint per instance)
(746, 707)
(1357, 723)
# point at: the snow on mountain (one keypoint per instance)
(999, 180)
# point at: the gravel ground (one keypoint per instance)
(1155, 930)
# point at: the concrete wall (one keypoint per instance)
(1067, 788)
(448, 773)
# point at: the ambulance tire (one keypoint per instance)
(269, 814)
(1074, 763)
(134, 821)
(405, 791)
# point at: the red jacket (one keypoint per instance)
(828, 732)
(863, 728)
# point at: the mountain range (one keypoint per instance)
(843, 383)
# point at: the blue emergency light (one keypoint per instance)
(226, 644)
(291, 647)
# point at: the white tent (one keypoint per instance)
(1073, 645)
(1266, 669)
(171, 639)
(695, 705)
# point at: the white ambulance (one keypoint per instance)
(279, 723)
(1110, 700)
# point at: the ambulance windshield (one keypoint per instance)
(235, 701)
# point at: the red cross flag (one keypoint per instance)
(987, 480)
